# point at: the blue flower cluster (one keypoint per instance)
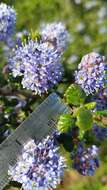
(7, 21)
(56, 33)
(101, 104)
(101, 99)
(85, 161)
(39, 65)
(40, 167)
(99, 132)
(91, 74)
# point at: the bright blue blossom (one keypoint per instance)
(40, 167)
(7, 21)
(85, 160)
(56, 33)
(91, 74)
(39, 65)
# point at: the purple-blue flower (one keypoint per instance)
(7, 21)
(56, 33)
(99, 132)
(39, 65)
(101, 99)
(85, 160)
(40, 167)
(91, 74)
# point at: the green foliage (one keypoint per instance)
(74, 95)
(89, 137)
(38, 12)
(101, 113)
(90, 105)
(84, 119)
(65, 123)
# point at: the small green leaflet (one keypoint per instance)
(84, 119)
(90, 105)
(75, 95)
(65, 122)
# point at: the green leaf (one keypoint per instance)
(75, 95)
(90, 105)
(101, 113)
(84, 119)
(89, 137)
(65, 122)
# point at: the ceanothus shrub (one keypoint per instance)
(36, 60)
